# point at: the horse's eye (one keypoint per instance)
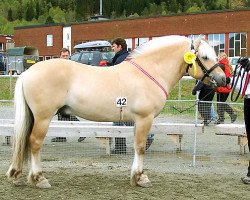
(205, 57)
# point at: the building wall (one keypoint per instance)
(37, 36)
(202, 23)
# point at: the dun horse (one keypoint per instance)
(135, 90)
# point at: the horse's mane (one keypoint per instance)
(205, 50)
(156, 43)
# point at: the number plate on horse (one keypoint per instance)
(121, 102)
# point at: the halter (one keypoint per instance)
(205, 71)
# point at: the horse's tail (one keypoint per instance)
(22, 126)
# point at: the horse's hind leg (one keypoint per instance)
(37, 136)
(142, 128)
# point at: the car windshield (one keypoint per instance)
(75, 57)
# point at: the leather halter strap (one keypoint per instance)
(205, 71)
(149, 76)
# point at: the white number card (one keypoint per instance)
(121, 102)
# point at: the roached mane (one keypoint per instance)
(205, 50)
(157, 43)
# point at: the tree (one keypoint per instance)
(49, 20)
(57, 15)
(30, 11)
(10, 18)
(194, 8)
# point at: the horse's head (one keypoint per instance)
(202, 64)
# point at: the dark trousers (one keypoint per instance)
(205, 107)
(67, 117)
(120, 143)
(223, 107)
(247, 123)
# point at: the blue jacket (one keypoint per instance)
(120, 56)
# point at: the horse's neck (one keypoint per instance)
(168, 69)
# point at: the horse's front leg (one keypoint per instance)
(36, 141)
(142, 128)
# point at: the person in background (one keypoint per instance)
(65, 54)
(223, 92)
(206, 94)
(119, 46)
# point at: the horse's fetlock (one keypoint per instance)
(37, 177)
(12, 172)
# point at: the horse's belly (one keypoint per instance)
(103, 113)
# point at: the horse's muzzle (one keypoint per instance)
(218, 80)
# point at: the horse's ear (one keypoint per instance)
(197, 42)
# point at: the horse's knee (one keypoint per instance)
(140, 149)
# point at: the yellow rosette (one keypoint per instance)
(189, 58)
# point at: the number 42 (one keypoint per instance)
(121, 101)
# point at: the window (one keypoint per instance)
(1, 46)
(217, 41)
(237, 44)
(75, 57)
(47, 57)
(49, 40)
(86, 57)
(41, 58)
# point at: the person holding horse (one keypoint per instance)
(240, 82)
(206, 96)
(119, 46)
(223, 92)
(246, 95)
(65, 54)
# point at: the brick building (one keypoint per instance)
(6, 41)
(227, 31)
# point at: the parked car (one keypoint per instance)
(96, 53)
(95, 58)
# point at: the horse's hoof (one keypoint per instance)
(43, 184)
(246, 180)
(19, 182)
(144, 181)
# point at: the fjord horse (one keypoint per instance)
(135, 90)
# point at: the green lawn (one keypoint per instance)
(7, 86)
